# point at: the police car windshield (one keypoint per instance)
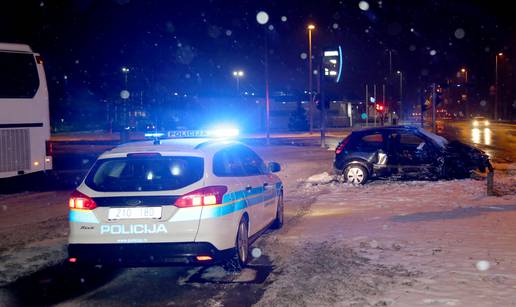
(145, 173)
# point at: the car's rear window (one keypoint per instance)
(133, 174)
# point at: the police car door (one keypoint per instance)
(269, 190)
(254, 186)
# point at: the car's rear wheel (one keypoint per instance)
(355, 174)
(241, 257)
(278, 222)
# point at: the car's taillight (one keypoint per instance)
(81, 201)
(202, 197)
(341, 146)
(49, 148)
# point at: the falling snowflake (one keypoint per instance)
(335, 26)
(483, 265)
(459, 33)
(363, 5)
(303, 56)
(284, 18)
(228, 32)
(262, 17)
(433, 52)
(271, 27)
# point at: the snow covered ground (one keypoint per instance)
(396, 243)
(418, 243)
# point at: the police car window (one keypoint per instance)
(145, 174)
(252, 163)
(227, 163)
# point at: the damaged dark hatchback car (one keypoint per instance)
(405, 152)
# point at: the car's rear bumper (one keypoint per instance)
(147, 254)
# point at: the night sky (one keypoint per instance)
(192, 47)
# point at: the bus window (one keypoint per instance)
(18, 76)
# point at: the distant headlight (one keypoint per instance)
(486, 123)
(475, 123)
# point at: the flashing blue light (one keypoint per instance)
(224, 132)
(154, 135)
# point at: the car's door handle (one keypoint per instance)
(248, 188)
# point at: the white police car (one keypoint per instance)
(178, 201)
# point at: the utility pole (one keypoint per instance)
(434, 94)
(375, 102)
(322, 103)
(267, 99)
(367, 104)
(310, 73)
(384, 104)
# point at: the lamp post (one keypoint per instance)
(399, 72)
(496, 85)
(124, 135)
(125, 71)
(464, 72)
(238, 74)
(310, 72)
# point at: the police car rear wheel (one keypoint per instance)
(278, 222)
(242, 243)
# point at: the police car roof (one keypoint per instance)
(187, 145)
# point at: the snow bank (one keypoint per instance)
(320, 178)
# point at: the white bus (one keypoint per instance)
(24, 112)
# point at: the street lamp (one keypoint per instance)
(496, 85)
(310, 72)
(125, 71)
(399, 72)
(465, 72)
(238, 74)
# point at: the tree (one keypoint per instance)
(297, 120)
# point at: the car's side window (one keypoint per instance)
(252, 163)
(371, 142)
(409, 139)
(227, 163)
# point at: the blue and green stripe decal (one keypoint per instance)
(83, 216)
(231, 202)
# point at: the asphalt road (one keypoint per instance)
(498, 140)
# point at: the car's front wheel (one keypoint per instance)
(355, 174)
(278, 222)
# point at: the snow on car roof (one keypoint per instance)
(439, 140)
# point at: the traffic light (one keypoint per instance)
(380, 107)
(439, 96)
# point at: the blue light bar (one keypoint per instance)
(154, 135)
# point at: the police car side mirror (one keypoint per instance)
(274, 167)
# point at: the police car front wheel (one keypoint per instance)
(278, 222)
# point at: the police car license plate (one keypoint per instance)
(134, 213)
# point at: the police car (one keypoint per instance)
(175, 201)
